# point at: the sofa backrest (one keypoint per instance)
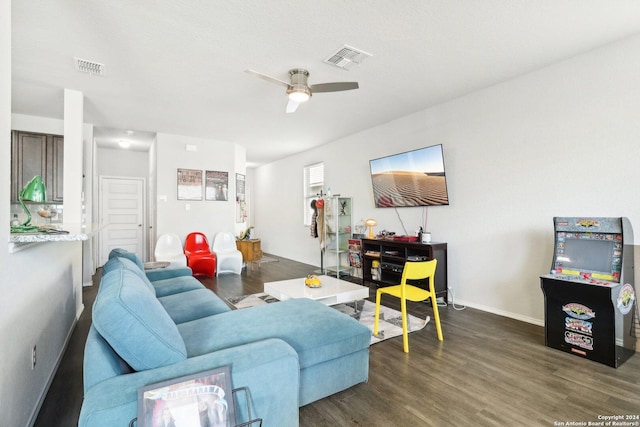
(134, 323)
(116, 263)
(104, 362)
(123, 253)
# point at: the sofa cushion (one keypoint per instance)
(122, 262)
(176, 285)
(318, 333)
(134, 323)
(191, 305)
(169, 272)
(119, 252)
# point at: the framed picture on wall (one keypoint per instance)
(216, 185)
(203, 399)
(241, 202)
(189, 184)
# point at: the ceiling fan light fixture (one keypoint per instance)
(299, 94)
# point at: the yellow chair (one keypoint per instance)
(412, 271)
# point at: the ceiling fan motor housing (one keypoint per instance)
(299, 84)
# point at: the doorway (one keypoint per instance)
(122, 218)
(124, 155)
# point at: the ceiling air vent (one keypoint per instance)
(347, 57)
(90, 67)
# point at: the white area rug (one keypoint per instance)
(390, 319)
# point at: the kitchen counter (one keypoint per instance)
(63, 233)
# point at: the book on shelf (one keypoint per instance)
(355, 248)
(354, 259)
(355, 245)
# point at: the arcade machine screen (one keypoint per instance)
(588, 256)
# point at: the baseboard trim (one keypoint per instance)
(516, 316)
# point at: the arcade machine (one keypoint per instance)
(589, 294)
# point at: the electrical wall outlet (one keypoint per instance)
(33, 358)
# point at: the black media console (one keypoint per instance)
(383, 261)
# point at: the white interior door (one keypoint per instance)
(121, 216)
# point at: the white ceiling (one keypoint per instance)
(177, 66)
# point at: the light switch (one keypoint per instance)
(187, 207)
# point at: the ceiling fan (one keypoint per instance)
(299, 91)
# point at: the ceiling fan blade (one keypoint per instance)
(292, 106)
(333, 87)
(268, 78)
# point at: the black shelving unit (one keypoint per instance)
(392, 255)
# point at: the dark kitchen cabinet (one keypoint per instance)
(37, 154)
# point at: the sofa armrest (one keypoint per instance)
(268, 368)
(168, 272)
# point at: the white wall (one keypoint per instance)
(562, 141)
(38, 304)
(40, 293)
(122, 163)
(44, 124)
(208, 217)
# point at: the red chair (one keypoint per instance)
(199, 257)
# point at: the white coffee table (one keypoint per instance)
(333, 291)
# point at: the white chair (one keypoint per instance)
(228, 257)
(169, 248)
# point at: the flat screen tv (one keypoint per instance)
(413, 178)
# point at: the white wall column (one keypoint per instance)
(73, 176)
(73, 158)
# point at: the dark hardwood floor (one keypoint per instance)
(488, 371)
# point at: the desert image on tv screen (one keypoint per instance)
(414, 178)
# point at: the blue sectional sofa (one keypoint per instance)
(144, 331)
